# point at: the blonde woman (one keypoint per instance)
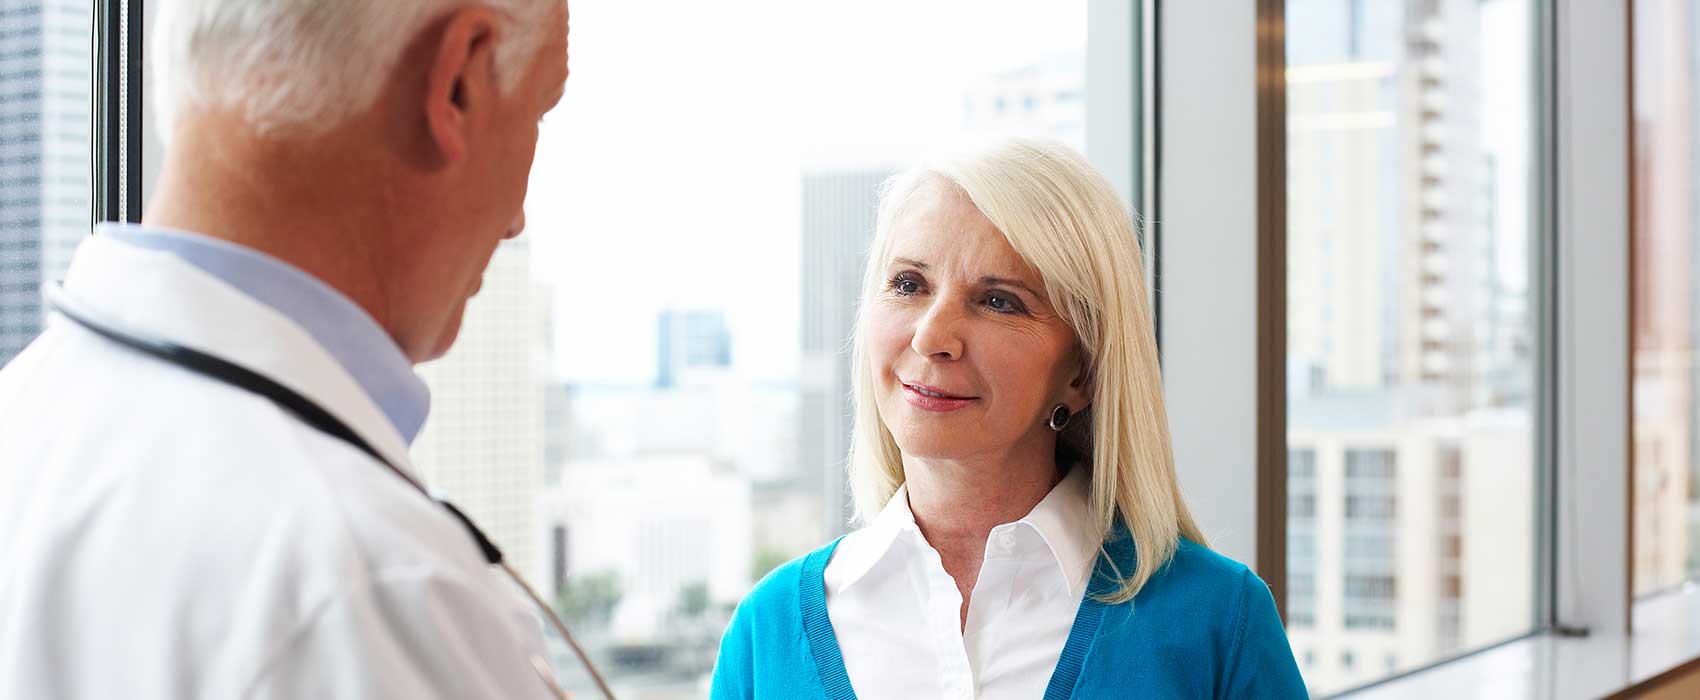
(1024, 534)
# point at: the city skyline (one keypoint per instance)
(45, 143)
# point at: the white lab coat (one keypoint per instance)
(163, 535)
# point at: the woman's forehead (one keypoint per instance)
(950, 236)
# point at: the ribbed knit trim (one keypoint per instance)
(1118, 553)
(817, 626)
(1080, 636)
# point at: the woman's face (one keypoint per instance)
(968, 355)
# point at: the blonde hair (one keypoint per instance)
(1063, 218)
(305, 65)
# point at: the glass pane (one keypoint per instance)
(649, 403)
(1410, 334)
(1666, 288)
(46, 196)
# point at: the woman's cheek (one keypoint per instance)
(888, 334)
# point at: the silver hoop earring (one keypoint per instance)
(1060, 417)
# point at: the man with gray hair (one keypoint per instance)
(204, 483)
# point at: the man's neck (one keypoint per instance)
(286, 200)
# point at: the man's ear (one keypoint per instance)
(461, 80)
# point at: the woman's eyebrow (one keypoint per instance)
(1007, 282)
(910, 262)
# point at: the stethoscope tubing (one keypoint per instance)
(312, 414)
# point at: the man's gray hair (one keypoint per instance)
(305, 65)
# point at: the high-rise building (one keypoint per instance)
(558, 429)
(45, 126)
(1392, 277)
(839, 211)
(1443, 312)
(1410, 362)
(1341, 193)
(1401, 544)
(690, 340)
(483, 445)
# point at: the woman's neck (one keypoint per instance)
(956, 504)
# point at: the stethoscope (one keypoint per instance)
(318, 418)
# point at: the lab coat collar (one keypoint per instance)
(155, 292)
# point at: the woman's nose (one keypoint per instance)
(936, 333)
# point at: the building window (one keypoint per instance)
(1301, 537)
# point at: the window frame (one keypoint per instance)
(117, 110)
(1221, 116)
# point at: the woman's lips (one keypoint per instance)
(928, 398)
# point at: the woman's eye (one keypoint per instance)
(905, 285)
(999, 302)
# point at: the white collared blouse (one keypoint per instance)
(896, 613)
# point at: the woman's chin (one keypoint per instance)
(930, 444)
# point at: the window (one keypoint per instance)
(1301, 541)
(694, 408)
(1409, 327)
(1665, 294)
(1411, 376)
(46, 192)
(1301, 506)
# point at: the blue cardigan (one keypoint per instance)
(1203, 627)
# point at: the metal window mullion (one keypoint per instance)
(1592, 317)
(117, 110)
(108, 153)
(1208, 284)
(132, 129)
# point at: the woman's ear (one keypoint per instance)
(1078, 394)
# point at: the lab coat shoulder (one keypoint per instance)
(286, 563)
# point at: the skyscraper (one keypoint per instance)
(1391, 255)
(483, 444)
(839, 211)
(688, 340)
(45, 127)
(1409, 367)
